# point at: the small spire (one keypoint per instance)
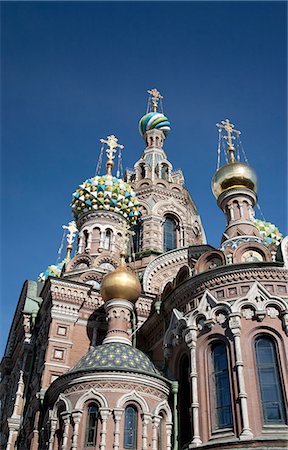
(155, 97)
(229, 128)
(112, 143)
(72, 230)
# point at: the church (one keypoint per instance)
(145, 337)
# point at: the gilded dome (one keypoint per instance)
(106, 193)
(154, 120)
(234, 175)
(120, 284)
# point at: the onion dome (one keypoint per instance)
(269, 232)
(234, 175)
(154, 120)
(120, 284)
(52, 271)
(115, 356)
(106, 193)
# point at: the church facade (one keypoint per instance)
(149, 338)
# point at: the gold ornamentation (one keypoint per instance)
(112, 143)
(229, 128)
(155, 97)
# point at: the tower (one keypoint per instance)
(169, 218)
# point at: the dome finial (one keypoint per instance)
(112, 143)
(72, 230)
(229, 128)
(154, 97)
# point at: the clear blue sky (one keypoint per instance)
(75, 72)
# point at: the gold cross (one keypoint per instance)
(111, 141)
(156, 96)
(229, 128)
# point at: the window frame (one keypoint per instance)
(133, 445)
(279, 388)
(173, 219)
(87, 425)
(215, 427)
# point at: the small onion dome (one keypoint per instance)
(234, 175)
(52, 271)
(120, 284)
(106, 193)
(269, 232)
(154, 120)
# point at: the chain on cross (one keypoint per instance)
(230, 129)
(112, 143)
(127, 233)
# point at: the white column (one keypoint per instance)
(104, 413)
(66, 420)
(102, 238)
(155, 425)
(235, 327)
(81, 244)
(240, 209)
(190, 337)
(76, 416)
(231, 212)
(53, 424)
(169, 436)
(117, 417)
(89, 242)
(145, 421)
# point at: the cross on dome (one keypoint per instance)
(230, 129)
(112, 143)
(155, 97)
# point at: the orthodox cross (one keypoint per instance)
(112, 143)
(229, 128)
(155, 97)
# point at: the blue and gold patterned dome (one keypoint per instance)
(154, 120)
(106, 193)
(115, 356)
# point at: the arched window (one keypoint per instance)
(137, 237)
(142, 171)
(107, 240)
(86, 236)
(130, 428)
(269, 381)
(220, 388)
(185, 434)
(170, 234)
(91, 425)
(164, 172)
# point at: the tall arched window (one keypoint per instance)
(91, 425)
(220, 387)
(185, 434)
(170, 234)
(269, 381)
(107, 239)
(130, 428)
(137, 237)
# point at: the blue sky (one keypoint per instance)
(73, 73)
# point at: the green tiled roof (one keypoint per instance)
(115, 357)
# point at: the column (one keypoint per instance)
(66, 419)
(168, 436)
(102, 238)
(89, 242)
(81, 244)
(145, 421)
(190, 337)
(53, 424)
(104, 413)
(231, 212)
(235, 327)
(155, 425)
(117, 417)
(175, 388)
(76, 416)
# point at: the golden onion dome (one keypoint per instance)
(234, 175)
(120, 284)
